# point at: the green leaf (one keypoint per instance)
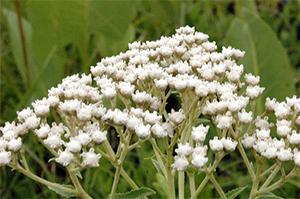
(15, 40)
(269, 195)
(265, 55)
(73, 22)
(235, 192)
(156, 164)
(134, 194)
(62, 192)
(161, 185)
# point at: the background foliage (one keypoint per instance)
(44, 41)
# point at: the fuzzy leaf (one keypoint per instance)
(62, 192)
(235, 192)
(135, 194)
(269, 195)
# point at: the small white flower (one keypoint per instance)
(64, 158)
(254, 91)
(215, 144)
(43, 131)
(199, 133)
(83, 138)
(294, 138)
(32, 122)
(245, 117)
(143, 130)
(252, 79)
(5, 157)
(99, 136)
(270, 152)
(229, 144)
(53, 141)
(15, 144)
(84, 113)
(176, 117)
(248, 141)
(73, 146)
(183, 149)
(159, 131)
(180, 163)
(224, 121)
(297, 158)
(285, 154)
(152, 118)
(168, 128)
(283, 127)
(199, 161)
(263, 133)
(90, 159)
(3, 144)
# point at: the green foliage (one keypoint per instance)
(264, 56)
(235, 192)
(135, 194)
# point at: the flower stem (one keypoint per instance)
(81, 192)
(200, 188)
(246, 160)
(43, 181)
(271, 177)
(217, 186)
(191, 176)
(181, 184)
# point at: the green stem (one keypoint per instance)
(246, 160)
(200, 188)
(115, 183)
(43, 181)
(217, 186)
(278, 183)
(268, 170)
(271, 177)
(81, 192)
(158, 156)
(210, 170)
(112, 155)
(191, 176)
(181, 184)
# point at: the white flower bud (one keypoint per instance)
(73, 146)
(90, 159)
(15, 144)
(285, 154)
(143, 130)
(199, 133)
(176, 117)
(159, 131)
(43, 131)
(229, 144)
(99, 136)
(183, 149)
(180, 163)
(215, 144)
(248, 141)
(64, 158)
(5, 157)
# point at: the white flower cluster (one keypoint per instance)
(285, 146)
(128, 92)
(187, 154)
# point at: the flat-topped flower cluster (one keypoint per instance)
(129, 92)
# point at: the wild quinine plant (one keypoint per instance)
(127, 94)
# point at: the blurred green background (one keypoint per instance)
(43, 41)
